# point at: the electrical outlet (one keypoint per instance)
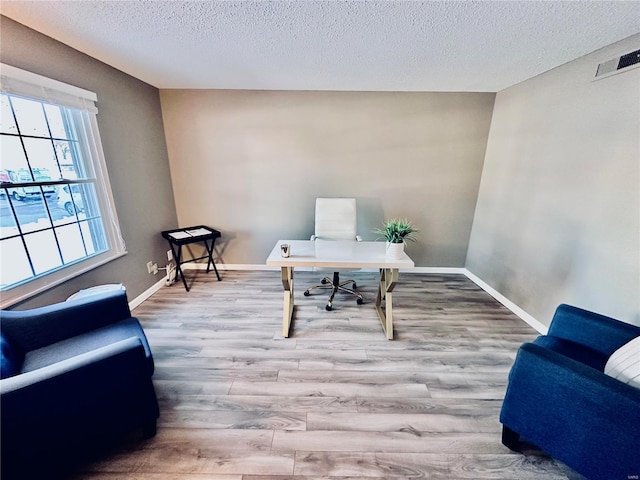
(149, 267)
(169, 255)
(154, 269)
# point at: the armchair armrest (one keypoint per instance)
(38, 327)
(86, 362)
(571, 411)
(598, 332)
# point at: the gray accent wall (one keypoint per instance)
(251, 163)
(558, 214)
(130, 123)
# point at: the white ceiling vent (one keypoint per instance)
(617, 64)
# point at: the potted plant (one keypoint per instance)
(396, 232)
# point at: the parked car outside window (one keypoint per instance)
(67, 201)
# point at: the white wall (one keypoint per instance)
(558, 213)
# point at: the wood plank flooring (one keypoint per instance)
(335, 400)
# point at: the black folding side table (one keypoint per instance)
(185, 236)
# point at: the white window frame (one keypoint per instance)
(16, 81)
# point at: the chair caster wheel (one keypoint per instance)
(328, 308)
(323, 281)
(306, 293)
(354, 285)
(360, 301)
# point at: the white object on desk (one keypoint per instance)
(179, 235)
(198, 232)
(340, 254)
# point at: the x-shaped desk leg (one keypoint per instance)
(210, 257)
(177, 255)
(388, 280)
(287, 308)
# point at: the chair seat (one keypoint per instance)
(84, 343)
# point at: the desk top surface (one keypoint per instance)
(344, 254)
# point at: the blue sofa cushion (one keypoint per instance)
(84, 343)
(573, 350)
(11, 357)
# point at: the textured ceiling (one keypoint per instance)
(332, 45)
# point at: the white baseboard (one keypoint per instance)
(146, 294)
(438, 270)
(540, 327)
(228, 266)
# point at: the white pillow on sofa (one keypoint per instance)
(624, 363)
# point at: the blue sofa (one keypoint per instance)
(559, 398)
(75, 376)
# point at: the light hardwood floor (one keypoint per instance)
(336, 399)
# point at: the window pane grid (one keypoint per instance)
(56, 221)
(21, 138)
(60, 139)
(60, 146)
(56, 225)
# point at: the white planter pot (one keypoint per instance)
(395, 251)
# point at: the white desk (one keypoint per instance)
(340, 254)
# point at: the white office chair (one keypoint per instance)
(336, 219)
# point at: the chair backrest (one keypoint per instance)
(336, 219)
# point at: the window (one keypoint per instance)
(57, 218)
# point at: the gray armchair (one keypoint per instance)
(74, 375)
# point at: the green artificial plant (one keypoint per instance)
(397, 230)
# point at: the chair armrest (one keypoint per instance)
(314, 238)
(572, 411)
(93, 361)
(544, 372)
(598, 332)
(38, 327)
